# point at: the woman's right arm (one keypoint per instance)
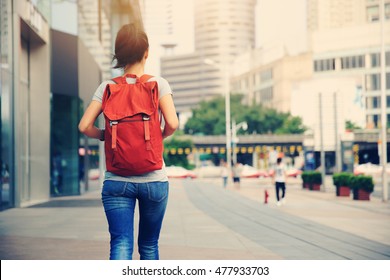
(86, 125)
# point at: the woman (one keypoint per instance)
(119, 193)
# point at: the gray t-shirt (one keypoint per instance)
(154, 176)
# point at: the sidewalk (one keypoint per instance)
(76, 228)
(368, 219)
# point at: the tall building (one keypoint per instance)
(223, 30)
(169, 26)
(338, 73)
(329, 14)
(344, 41)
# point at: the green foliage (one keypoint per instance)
(349, 125)
(292, 125)
(311, 177)
(209, 118)
(362, 182)
(177, 159)
(342, 179)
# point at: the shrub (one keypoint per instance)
(311, 177)
(362, 182)
(342, 179)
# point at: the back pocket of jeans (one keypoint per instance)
(158, 191)
(114, 188)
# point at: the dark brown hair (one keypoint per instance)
(131, 44)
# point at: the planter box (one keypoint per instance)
(315, 187)
(343, 191)
(361, 195)
(306, 185)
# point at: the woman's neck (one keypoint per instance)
(135, 69)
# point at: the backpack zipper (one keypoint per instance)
(144, 118)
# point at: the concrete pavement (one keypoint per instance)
(205, 221)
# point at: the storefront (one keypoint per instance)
(25, 104)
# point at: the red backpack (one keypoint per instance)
(133, 139)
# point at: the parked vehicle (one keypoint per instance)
(290, 172)
(368, 169)
(179, 172)
(209, 171)
(252, 172)
(293, 172)
(94, 174)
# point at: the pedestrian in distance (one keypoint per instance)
(133, 106)
(236, 170)
(279, 179)
(224, 173)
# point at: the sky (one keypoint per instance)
(273, 19)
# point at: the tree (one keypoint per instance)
(177, 158)
(292, 125)
(209, 118)
(349, 125)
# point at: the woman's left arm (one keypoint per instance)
(86, 125)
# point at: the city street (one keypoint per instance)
(205, 221)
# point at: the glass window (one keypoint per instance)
(373, 82)
(373, 13)
(350, 62)
(64, 146)
(375, 119)
(376, 102)
(375, 60)
(6, 143)
(324, 65)
(266, 94)
(387, 80)
(266, 75)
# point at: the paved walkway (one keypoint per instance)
(205, 221)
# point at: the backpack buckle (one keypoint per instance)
(113, 123)
(145, 118)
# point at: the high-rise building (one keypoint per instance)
(169, 26)
(223, 30)
(329, 14)
(344, 41)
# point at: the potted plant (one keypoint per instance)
(342, 183)
(315, 181)
(305, 179)
(362, 186)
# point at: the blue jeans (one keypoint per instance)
(119, 199)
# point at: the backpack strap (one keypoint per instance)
(117, 80)
(144, 78)
(122, 79)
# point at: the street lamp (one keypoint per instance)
(235, 139)
(226, 84)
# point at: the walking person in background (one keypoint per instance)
(236, 170)
(120, 192)
(224, 173)
(279, 178)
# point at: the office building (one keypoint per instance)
(223, 30)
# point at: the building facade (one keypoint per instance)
(344, 41)
(223, 30)
(51, 65)
(25, 104)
